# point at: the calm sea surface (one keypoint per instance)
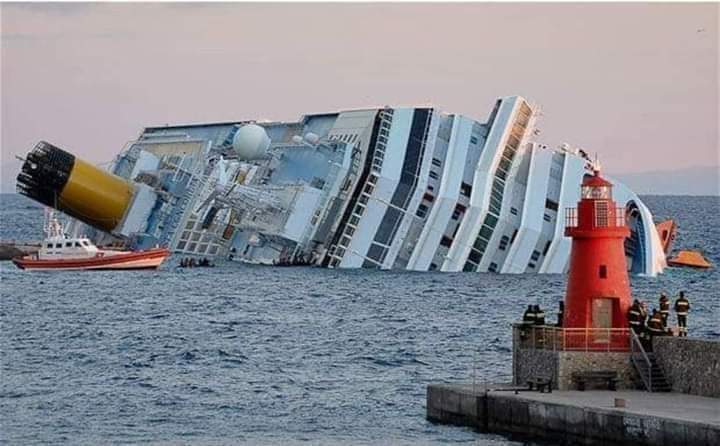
(273, 355)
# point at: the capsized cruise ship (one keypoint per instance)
(388, 188)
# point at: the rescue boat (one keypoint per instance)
(60, 252)
(690, 258)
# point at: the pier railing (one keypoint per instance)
(641, 361)
(551, 338)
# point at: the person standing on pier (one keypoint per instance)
(528, 321)
(635, 317)
(664, 308)
(682, 307)
(539, 315)
(655, 324)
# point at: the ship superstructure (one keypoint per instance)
(391, 188)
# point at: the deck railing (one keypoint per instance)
(551, 338)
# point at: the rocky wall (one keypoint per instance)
(690, 365)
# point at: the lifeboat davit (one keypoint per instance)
(666, 230)
(60, 252)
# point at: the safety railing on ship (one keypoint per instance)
(573, 339)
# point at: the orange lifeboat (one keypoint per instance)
(690, 258)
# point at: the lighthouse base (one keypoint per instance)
(558, 366)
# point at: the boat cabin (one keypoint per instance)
(62, 247)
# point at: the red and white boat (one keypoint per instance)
(60, 252)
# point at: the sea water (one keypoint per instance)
(254, 354)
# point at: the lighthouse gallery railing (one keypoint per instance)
(573, 339)
(604, 217)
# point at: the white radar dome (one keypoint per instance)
(251, 142)
(312, 138)
(297, 139)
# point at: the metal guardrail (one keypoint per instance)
(573, 339)
(640, 359)
(608, 218)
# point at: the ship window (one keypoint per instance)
(531, 265)
(77, 244)
(492, 268)
(513, 211)
(213, 249)
(473, 140)
(469, 267)
(546, 217)
(465, 189)
(354, 220)
(475, 256)
(345, 241)
(431, 189)
(486, 232)
(68, 244)
(436, 162)
(433, 267)
(363, 199)
(433, 175)
(186, 235)
(603, 271)
(192, 246)
(455, 214)
(85, 243)
(350, 230)
(547, 247)
(491, 220)
(181, 245)
(503, 242)
(535, 255)
(552, 205)
(196, 236)
(446, 241)
(422, 211)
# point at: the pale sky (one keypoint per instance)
(636, 83)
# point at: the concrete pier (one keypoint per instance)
(575, 417)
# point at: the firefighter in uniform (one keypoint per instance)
(682, 307)
(561, 314)
(528, 321)
(635, 316)
(539, 315)
(655, 325)
(664, 309)
(539, 322)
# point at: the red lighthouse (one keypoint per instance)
(598, 290)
